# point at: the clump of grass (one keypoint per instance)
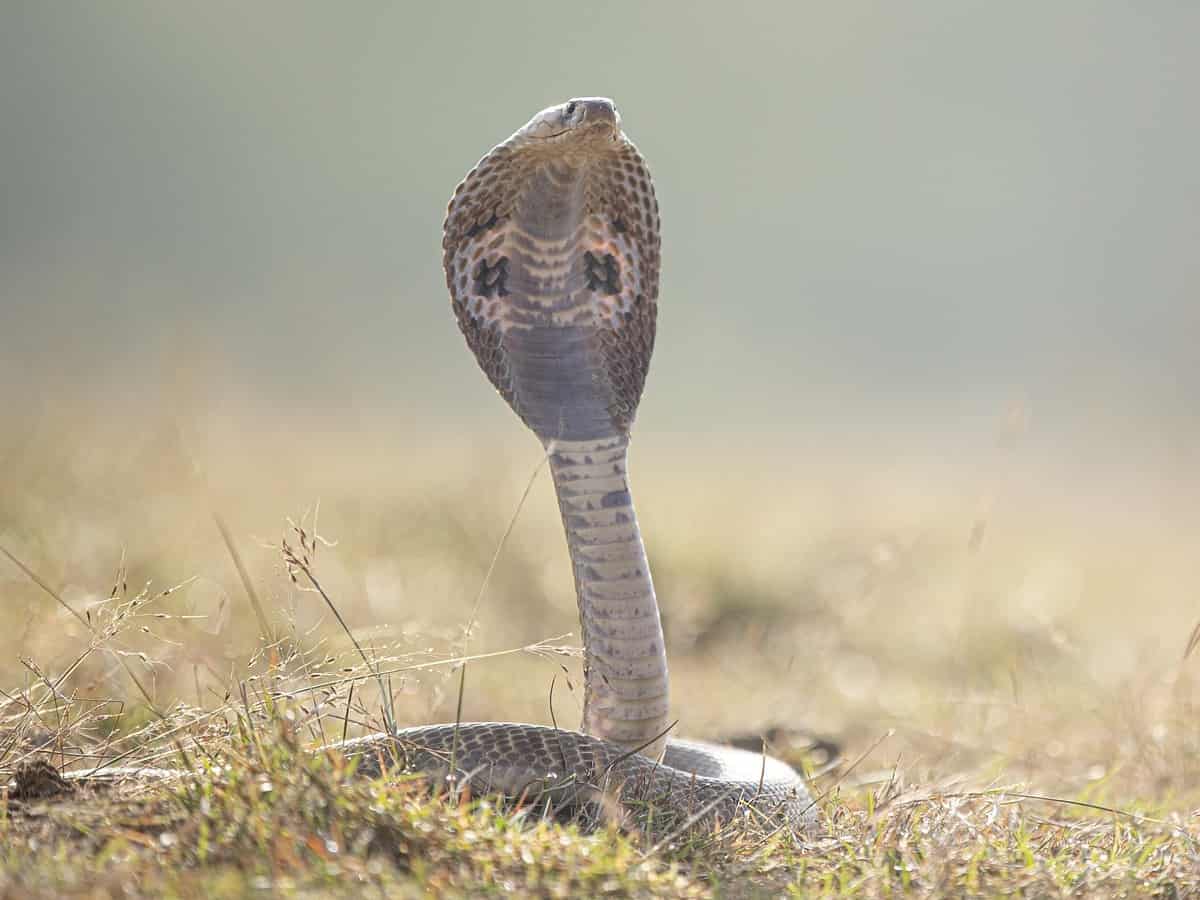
(264, 811)
(258, 807)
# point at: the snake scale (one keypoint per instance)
(551, 254)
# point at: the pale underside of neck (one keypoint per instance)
(625, 680)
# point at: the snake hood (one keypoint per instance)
(551, 251)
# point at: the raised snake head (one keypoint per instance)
(584, 122)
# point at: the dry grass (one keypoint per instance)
(1006, 689)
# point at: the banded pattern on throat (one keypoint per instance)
(626, 694)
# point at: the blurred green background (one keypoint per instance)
(928, 335)
(877, 216)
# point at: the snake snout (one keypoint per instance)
(595, 112)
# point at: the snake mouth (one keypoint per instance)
(589, 129)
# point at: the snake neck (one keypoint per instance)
(625, 661)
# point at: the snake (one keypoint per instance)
(551, 251)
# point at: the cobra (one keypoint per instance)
(551, 253)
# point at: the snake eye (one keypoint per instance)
(570, 110)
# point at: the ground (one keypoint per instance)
(984, 674)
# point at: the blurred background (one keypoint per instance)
(929, 306)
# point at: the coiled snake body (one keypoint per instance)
(551, 253)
